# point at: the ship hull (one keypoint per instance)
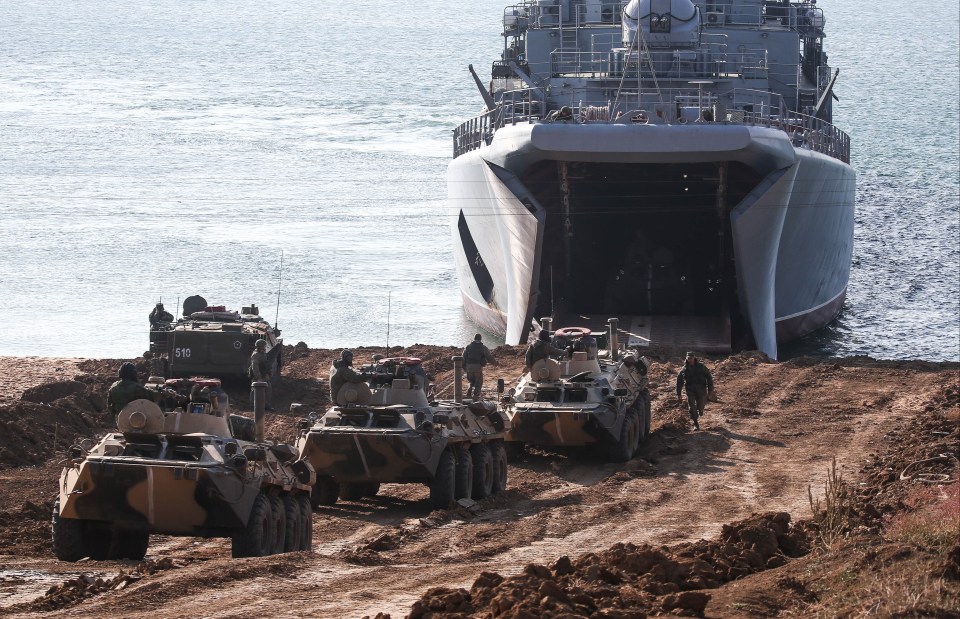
(785, 224)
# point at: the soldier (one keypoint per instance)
(341, 373)
(541, 349)
(158, 315)
(127, 389)
(699, 382)
(475, 356)
(261, 370)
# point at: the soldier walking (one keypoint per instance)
(475, 357)
(699, 382)
(261, 371)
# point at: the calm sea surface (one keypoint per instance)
(154, 150)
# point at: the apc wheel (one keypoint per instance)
(626, 445)
(324, 492)
(352, 491)
(645, 414)
(68, 542)
(279, 525)
(499, 456)
(306, 522)
(464, 474)
(482, 470)
(443, 484)
(371, 489)
(293, 536)
(97, 540)
(128, 544)
(255, 539)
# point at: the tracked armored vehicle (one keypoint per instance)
(393, 433)
(210, 340)
(589, 397)
(188, 472)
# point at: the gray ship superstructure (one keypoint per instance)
(668, 162)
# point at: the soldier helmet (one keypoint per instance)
(346, 355)
(690, 353)
(261, 343)
(544, 335)
(477, 337)
(127, 371)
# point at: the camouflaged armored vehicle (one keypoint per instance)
(210, 340)
(392, 433)
(589, 396)
(189, 472)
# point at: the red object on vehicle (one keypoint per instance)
(204, 381)
(216, 308)
(403, 360)
(572, 332)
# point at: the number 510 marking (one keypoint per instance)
(181, 353)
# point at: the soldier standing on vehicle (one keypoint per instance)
(475, 356)
(261, 371)
(158, 315)
(127, 389)
(698, 381)
(341, 373)
(541, 349)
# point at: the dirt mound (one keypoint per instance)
(627, 580)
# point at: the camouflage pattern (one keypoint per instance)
(214, 342)
(183, 472)
(582, 401)
(393, 434)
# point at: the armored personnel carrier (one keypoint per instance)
(193, 471)
(210, 340)
(392, 433)
(593, 395)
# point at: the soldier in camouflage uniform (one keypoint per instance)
(475, 356)
(541, 349)
(341, 373)
(261, 370)
(698, 381)
(127, 389)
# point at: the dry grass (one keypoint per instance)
(833, 515)
(932, 520)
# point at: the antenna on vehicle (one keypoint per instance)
(178, 306)
(389, 292)
(279, 284)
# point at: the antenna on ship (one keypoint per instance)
(276, 318)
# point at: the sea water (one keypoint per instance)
(155, 150)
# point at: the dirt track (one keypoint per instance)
(775, 432)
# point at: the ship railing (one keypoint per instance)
(744, 107)
(706, 63)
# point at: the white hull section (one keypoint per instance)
(791, 235)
